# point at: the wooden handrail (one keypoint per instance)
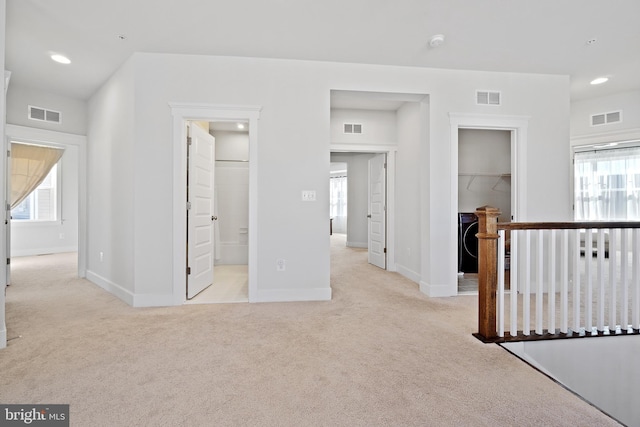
(488, 237)
(565, 225)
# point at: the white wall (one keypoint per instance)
(111, 215)
(601, 370)
(581, 111)
(378, 127)
(35, 238)
(293, 141)
(232, 197)
(408, 194)
(74, 111)
(3, 233)
(484, 155)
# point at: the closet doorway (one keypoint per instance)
(484, 179)
(228, 279)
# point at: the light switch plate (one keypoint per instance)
(308, 195)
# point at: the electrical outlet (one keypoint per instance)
(101, 256)
(281, 265)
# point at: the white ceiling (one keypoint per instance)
(541, 36)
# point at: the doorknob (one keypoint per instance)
(214, 218)
(369, 216)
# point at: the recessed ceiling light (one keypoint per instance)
(61, 59)
(122, 37)
(240, 125)
(599, 80)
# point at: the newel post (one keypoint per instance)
(487, 275)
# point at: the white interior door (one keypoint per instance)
(377, 209)
(201, 155)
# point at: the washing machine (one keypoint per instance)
(467, 242)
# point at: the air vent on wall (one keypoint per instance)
(352, 128)
(606, 118)
(485, 97)
(44, 115)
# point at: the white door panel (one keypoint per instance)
(377, 218)
(200, 215)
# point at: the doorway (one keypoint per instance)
(226, 171)
(64, 229)
(484, 179)
(182, 114)
(516, 127)
(359, 207)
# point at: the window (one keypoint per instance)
(42, 203)
(607, 184)
(338, 196)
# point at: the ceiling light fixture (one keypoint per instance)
(60, 59)
(599, 80)
(240, 125)
(436, 40)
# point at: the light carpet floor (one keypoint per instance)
(379, 353)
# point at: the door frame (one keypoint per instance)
(518, 127)
(182, 113)
(391, 152)
(61, 139)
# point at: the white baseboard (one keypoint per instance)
(117, 290)
(42, 251)
(288, 295)
(133, 299)
(435, 290)
(364, 245)
(408, 273)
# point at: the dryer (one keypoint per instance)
(467, 242)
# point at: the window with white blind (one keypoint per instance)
(607, 184)
(42, 203)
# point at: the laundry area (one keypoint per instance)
(484, 179)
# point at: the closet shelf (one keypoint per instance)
(474, 175)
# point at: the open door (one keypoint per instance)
(377, 211)
(200, 243)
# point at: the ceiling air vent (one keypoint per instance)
(606, 118)
(44, 115)
(352, 128)
(485, 97)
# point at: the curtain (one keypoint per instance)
(30, 165)
(607, 184)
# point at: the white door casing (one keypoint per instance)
(200, 210)
(377, 201)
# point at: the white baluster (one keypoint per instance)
(635, 309)
(624, 278)
(526, 292)
(588, 258)
(613, 275)
(500, 272)
(564, 300)
(552, 282)
(540, 283)
(576, 280)
(513, 281)
(601, 279)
